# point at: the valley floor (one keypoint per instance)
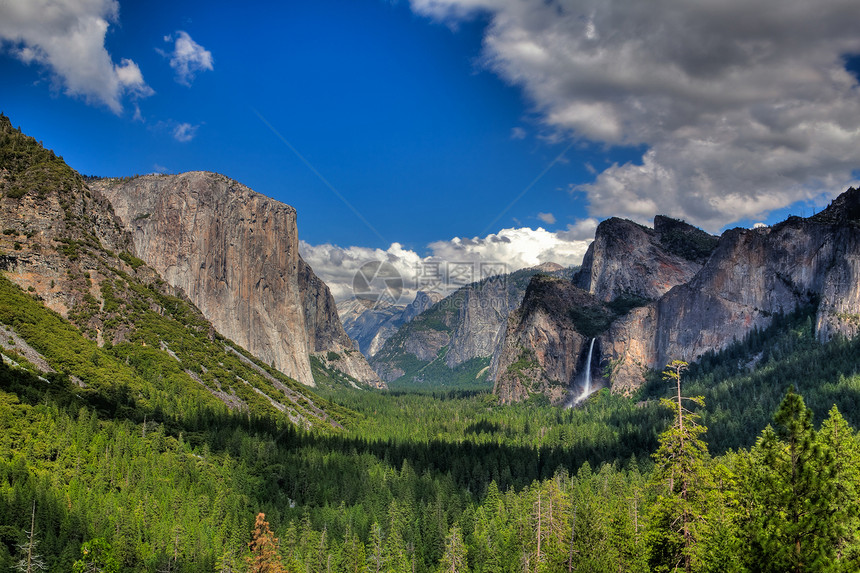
(451, 481)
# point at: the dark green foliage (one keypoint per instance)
(592, 320)
(437, 376)
(683, 480)
(795, 521)
(131, 260)
(744, 384)
(129, 458)
(684, 240)
(624, 303)
(31, 167)
(182, 492)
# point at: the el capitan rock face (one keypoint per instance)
(751, 275)
(235, 254)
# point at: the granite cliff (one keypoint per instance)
(543, 348)
(628, 259)
(118, 334)
(235, 254)
(457, 336)
(649, 296)
(752, 275)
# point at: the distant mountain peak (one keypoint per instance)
(548, 267)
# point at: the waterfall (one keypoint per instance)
(586, 382)
(586, 386)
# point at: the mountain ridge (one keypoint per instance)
(749, 276)
(458, 335)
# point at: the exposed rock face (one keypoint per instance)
(467, 326)
(371, 323)
(481, 321)
(627, 259)
(51, 228)
(65, 247)
(423, 301)
(752, 275)
(542, 350)
(235, 254)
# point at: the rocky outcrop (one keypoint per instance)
(627, 259)
(543, 350)
(369, 324)
(326, 335)
(423, 301)
(64, 247)
(751, 276)
(235, 254)
(481, 320)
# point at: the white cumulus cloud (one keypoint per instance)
(67, 37)
(508, 250)
(742, 106)
(184, 132)
(188, 57)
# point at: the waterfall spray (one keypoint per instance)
(586, 387)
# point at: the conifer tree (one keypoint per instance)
(840, 445)
(264, 556)
(31, 560)
(682, 479)
(353, 556)
(791, 524)
(375, 549)
(454, 558)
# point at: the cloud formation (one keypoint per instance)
(67, 37)
(184, 132)
(509, 249)
(547, 218)
(188, 57)
(743, 106)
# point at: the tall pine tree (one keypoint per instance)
(682, 479)
(788, 487)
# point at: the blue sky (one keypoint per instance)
(393, 109)
(396, 128)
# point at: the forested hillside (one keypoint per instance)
(425, 480)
